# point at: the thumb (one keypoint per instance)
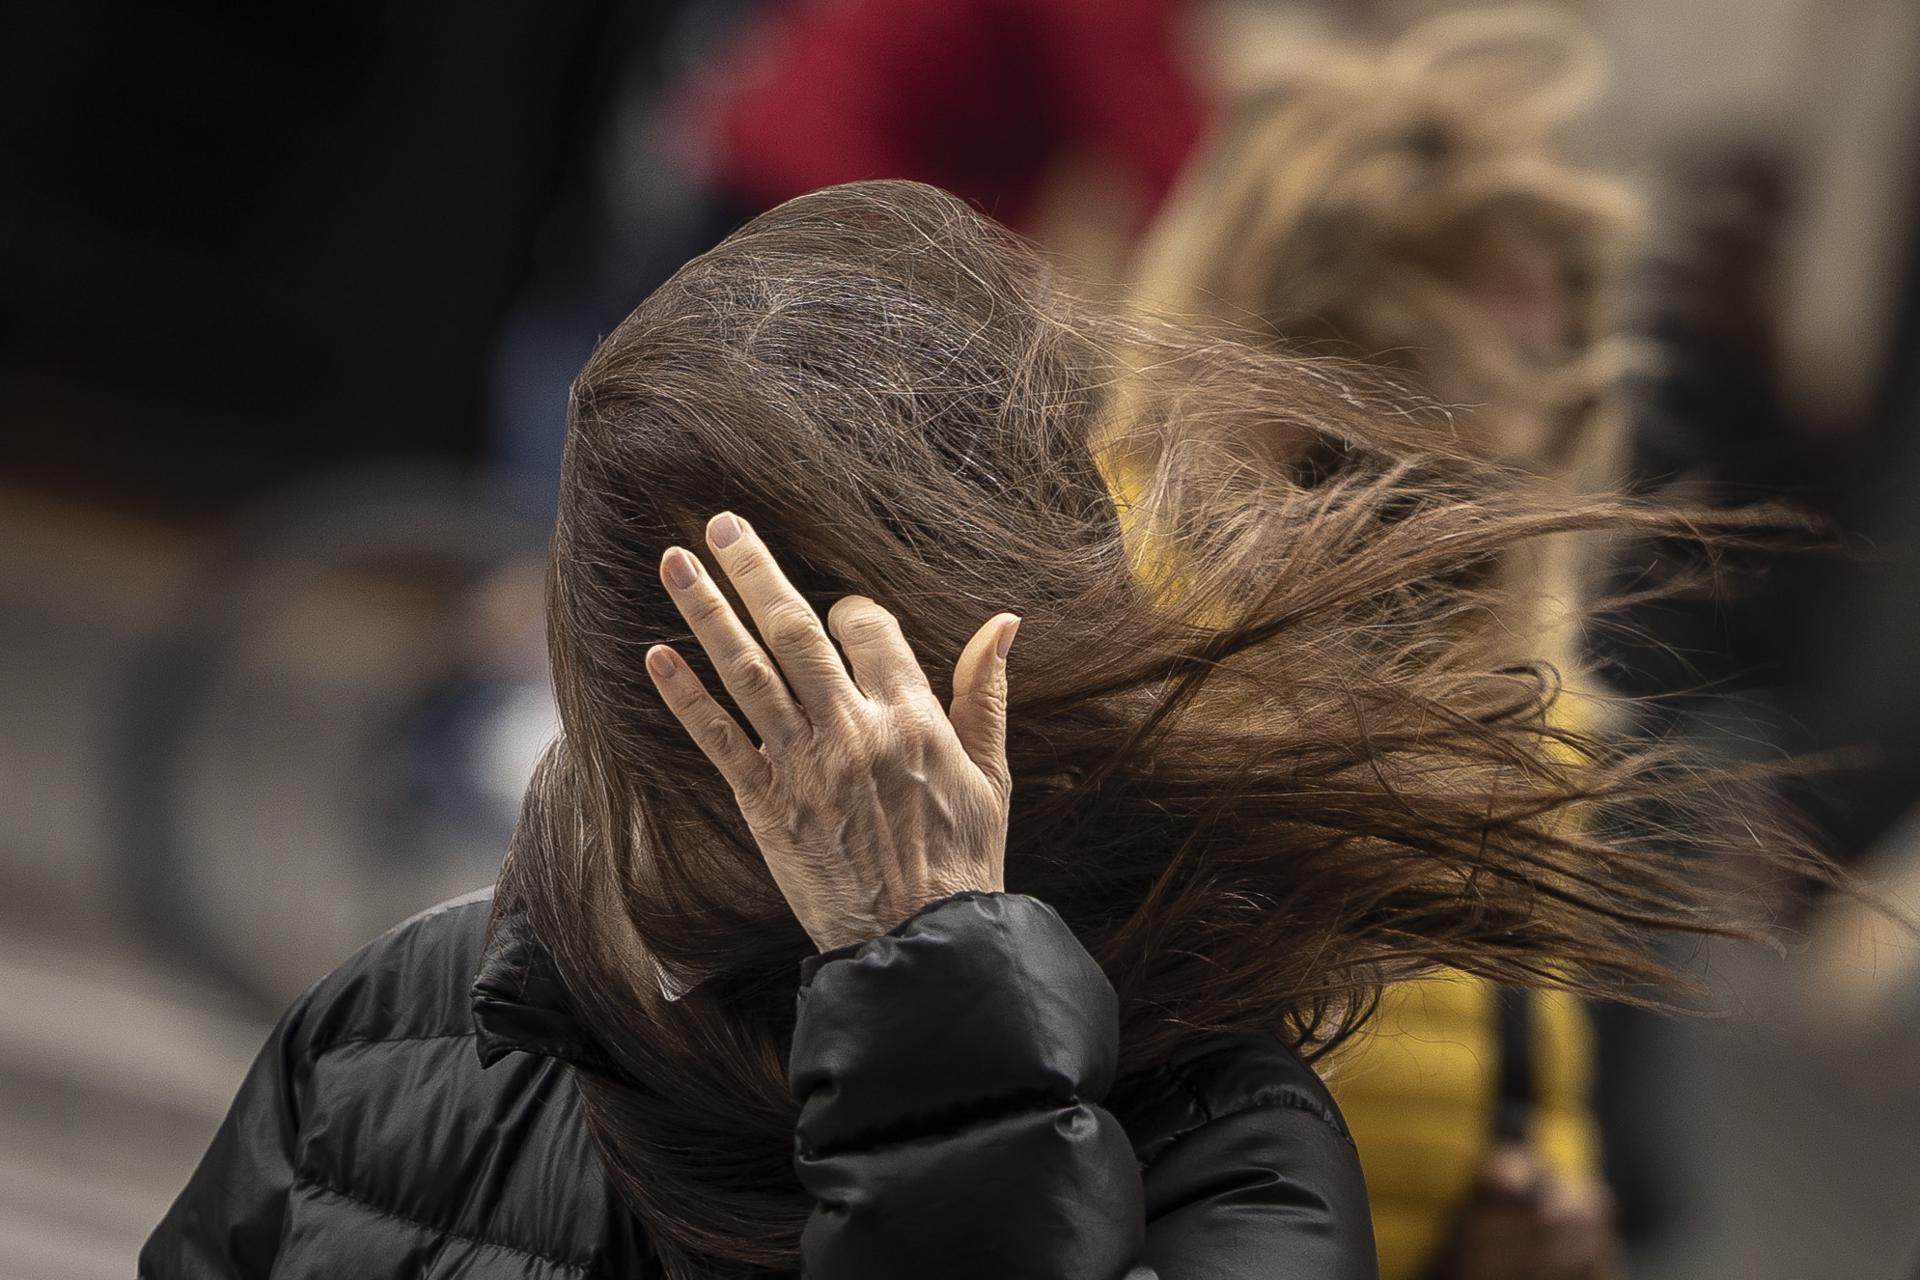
(979, 709)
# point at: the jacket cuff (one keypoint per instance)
(979, 1002)
(813, 963)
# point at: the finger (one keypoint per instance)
(744, 667)
(979, 708)
(877, 653)
(1511, 1172)
(714, 731)
(786, 621)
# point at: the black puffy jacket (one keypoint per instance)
(413, 1115)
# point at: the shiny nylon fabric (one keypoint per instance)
(368, 1141)
(1008, 1033)
(958, 1118)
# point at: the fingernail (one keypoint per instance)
(662, 663)
(1005, 642)
(724, 529)
(681, 570)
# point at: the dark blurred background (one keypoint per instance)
(290, 296)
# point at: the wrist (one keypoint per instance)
(851, 932)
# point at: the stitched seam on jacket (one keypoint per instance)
(303, 1179)
(943, 1124)
(1276, 1099)
(1281, 1094)
(316, 1054)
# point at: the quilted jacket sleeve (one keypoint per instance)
(226, 1223)
(951, 1076)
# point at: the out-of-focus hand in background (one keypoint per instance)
(1524, 1222)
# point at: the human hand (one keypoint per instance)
(1526, 1223)
(867, 798)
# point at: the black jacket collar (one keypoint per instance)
(519, 1003)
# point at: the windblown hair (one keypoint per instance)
(1414, 209)
(1254, 799)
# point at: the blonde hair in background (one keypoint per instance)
(1411, 208)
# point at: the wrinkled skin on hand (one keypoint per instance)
(868, 799)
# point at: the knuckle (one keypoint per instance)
(717, 728)
(856, 719)
(856, 742)
(746, 564)
(990, 698)
(755, 678)
(918, 718)
(791, 628)
(706, 609)
(859, 757)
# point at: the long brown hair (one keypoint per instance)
(1304, 773)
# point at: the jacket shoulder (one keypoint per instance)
(1222, 1076)
(407, 1147)
(1239, 1129)
(411, 982)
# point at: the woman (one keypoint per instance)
(1065, 932)
(1415, 206)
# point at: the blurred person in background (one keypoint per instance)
(983, 98)
(1067, 931)
(734, 106)
(739, 105)
(1412, 209)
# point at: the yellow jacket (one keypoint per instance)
(1419, 1089)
